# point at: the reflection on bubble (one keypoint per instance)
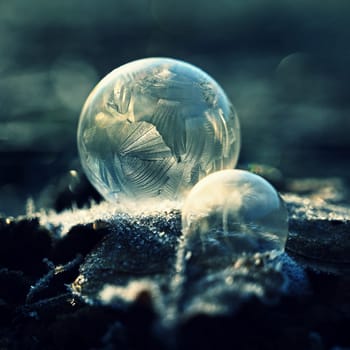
(232, 212)
(153, 128)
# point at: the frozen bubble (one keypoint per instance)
(233, 212)
(153, 128)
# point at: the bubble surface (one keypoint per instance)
(153, 128)
(232, 212)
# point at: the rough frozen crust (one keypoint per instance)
(218, 288)
(319, 232)
(130, 294)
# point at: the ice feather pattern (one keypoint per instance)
(148, 177)
(171, 125)
(153, 128)
(120, 98)
(139, 140)
(188, 139)
(142, 158)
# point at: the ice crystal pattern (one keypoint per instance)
(153, 128)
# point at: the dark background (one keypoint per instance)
(284, 64)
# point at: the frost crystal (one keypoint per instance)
(153, 128)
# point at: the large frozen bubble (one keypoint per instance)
(153, 128)
(231, 213)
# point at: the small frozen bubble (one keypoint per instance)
(233, 212)
(153, 128)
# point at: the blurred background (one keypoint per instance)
(285, 65)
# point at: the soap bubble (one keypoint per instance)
(232, 212)
(153, 128)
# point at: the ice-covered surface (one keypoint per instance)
(63, 222)
(112, 275)
(142, 249)
(319, 232)
(139, 253)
